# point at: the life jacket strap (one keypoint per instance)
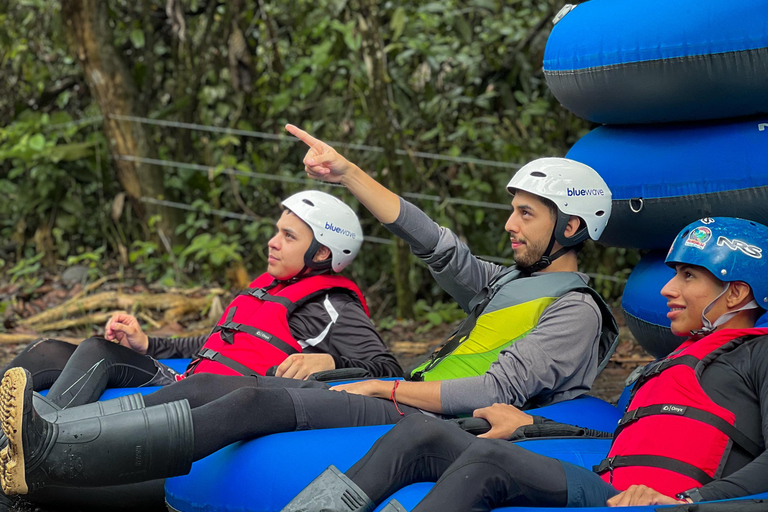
(262, 294)
(693, 413)
(212, 355)
(655, 368)
(457, 337)
(653, 461)
(230, 327)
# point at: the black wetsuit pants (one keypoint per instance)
(79, 374)
(472, 474)
(225, 408)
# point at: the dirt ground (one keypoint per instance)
(406, 341)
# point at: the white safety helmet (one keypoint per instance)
(575, 188)
(334, 225)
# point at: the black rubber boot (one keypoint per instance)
(55, 414)
(119, 448)
(332, 491)
(393, 506)
(43, 405)
(93, 410)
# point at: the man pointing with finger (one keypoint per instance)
(537, 332)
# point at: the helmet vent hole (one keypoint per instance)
(347, 251)
(307, 201)
(538, 174)
(600, 213)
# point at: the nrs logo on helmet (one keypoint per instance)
(752, 251)
(329, 226)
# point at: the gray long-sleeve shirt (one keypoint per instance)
(556, 361)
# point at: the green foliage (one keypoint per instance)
(213, 251)
(462, 78)
(437, 313)
(91, 259)
(609, 267)
(26, 271)
(147, 258)
(52, 184)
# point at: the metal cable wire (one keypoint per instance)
(271, 136)
(345, 145)
(288, 179)
(208, 168)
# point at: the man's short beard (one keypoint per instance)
(533, 253)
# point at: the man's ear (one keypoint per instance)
(322, 254)
(574, 223)
(739, 293)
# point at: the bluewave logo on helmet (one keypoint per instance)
(330, 227)
(571, 191)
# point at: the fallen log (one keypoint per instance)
(179, 304)
(14, 339)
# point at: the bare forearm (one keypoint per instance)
(379, 200)
(424, 395)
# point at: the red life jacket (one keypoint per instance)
(253, 334)
(673, 437)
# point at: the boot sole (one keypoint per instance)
(11, 414)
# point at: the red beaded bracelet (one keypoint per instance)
(392, 397)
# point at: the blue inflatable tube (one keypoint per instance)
(665, 177)
(649, 61)
(266, 473)
(645, 309)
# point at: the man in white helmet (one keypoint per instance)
(316, 321)
(535, 334)
(534, 340)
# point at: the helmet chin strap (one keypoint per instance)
(708, 326)
(546, 259)
(312, 267)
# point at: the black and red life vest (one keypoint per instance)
(253, 334)
(673, 437)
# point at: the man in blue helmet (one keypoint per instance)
(695, 428)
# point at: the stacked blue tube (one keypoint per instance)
(682, 88)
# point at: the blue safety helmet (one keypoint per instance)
(732, 249)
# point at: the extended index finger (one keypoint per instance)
(303, 136)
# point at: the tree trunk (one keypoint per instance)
(387, 136)
(87, 26)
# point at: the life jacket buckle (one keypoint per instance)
(629, 417)
(611, 468)
(228, 335)
(257, 293)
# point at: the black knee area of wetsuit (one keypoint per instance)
(418, 449)
(95, 365)
(493, 473)
(259, 412)
(418, 432)
(44, 359)
(200, 389)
